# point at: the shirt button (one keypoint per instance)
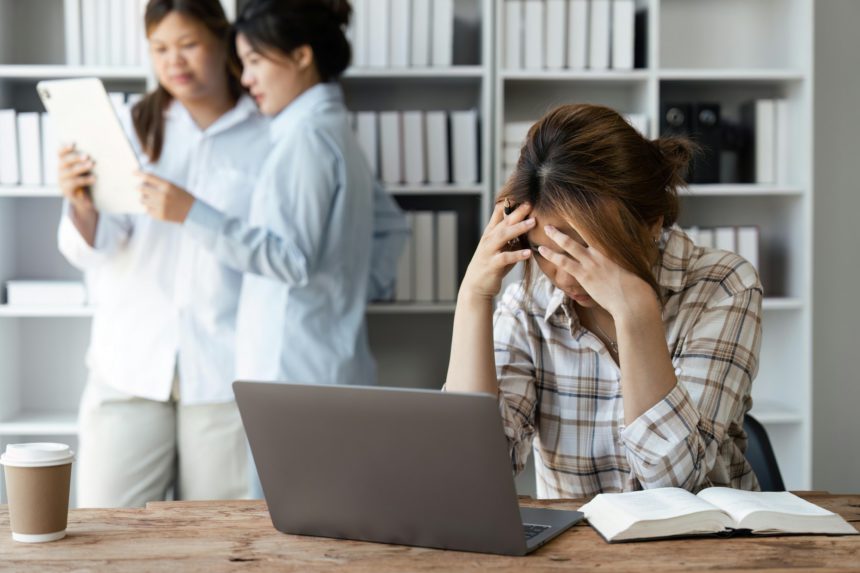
(677, 371)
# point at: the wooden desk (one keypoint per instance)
(238, 536)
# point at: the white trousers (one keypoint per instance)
(133, 450)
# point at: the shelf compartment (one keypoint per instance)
(772, 413)
(39, 423)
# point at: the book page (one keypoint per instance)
(659, 503)
(739, 503)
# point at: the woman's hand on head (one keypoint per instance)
(163, 200)
(610, 285)
(493, 258)
(74, 176)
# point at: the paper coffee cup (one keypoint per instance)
(38, 477)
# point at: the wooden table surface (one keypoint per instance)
(238, 536)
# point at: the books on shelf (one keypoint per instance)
(577, 38)
(668, 512)
(28, 145)
(513, 29)
(442, 47)
(419, 55)
(623, 32)
(45, 293)
(742, 240)
(556, 43)
(418, 147)
(428, 269)
(766, 157)
(400, 23)
(599, 34)
(534, 20)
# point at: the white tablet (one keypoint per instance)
(83, 114)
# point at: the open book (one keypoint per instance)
(672, 511)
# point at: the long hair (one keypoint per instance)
(284, 25)
(148, 114)
(586, 164)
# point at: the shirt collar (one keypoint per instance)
(243, 109)
(303, 105)
(670, 270)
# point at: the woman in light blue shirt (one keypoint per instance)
(306, 246)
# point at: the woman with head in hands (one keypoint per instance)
(625, 356)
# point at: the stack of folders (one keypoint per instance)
(45, 293)
(573, 34)
(28, 145)
(741, 240)
(420, 147)
(515, 133)
(768, 125)
(402, 33)
(428, 269)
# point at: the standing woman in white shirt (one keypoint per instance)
(306, 248)
(158, 401)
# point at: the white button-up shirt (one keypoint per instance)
(157, 293)
(306, 250)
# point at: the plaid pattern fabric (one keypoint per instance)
(560, 391)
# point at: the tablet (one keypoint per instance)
(83, 114)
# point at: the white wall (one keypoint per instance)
(836, 260)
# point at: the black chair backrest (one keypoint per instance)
(760, 456)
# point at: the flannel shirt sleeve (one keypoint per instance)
(676, 441)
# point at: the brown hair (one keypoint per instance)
(586, 164)
(148, 114)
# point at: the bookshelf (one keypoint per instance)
(746, 50)
(42, 371)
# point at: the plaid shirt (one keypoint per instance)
(560, 389)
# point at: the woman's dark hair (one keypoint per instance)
(148, 115)
(284, 25)
(587, 165)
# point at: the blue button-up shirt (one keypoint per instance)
(306, 250)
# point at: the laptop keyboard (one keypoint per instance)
(532, 529)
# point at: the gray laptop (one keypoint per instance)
(414, 467)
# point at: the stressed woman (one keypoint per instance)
(625, 360)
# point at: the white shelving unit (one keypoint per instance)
(42, 370)
(726, 51)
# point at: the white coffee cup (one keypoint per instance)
(38, 478)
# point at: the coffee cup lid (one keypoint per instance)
(37, 454)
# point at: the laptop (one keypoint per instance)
(411, 467)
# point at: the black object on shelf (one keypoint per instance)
(702, 123)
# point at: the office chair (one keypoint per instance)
(760, 456)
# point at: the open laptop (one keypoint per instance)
(413, 467)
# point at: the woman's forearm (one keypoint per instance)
(472, 366)
(647, 374)
(86, 221)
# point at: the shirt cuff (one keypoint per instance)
(204, 222)
(658, 431)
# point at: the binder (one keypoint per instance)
(30, 148)
(707, 132)
(706, 238)
(425, 256)
(131, 44)
(443, 33)
(599, 34)
(89, 27)
(533, 35)
(464, 143)
(421, 33)
(623, 31)
(413, 147)
(437, 147)
(391, 147)
(102, 32)
(758, 159)
(50, 149)
(556, 32)
(446, 256)
(360, 33)
(783, 142)
(515, 132)
(399, 26)
(116, 42)
(378, 36)
(513, 37)
(639, 121)
(747, 244)
(676, 119)
(9, 173)
(404, 288)
(724, 239)
(72, 30)
(367, 135)
(577, 37)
